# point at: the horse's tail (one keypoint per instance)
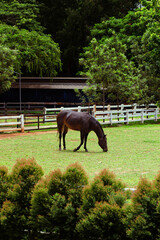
(60, 121)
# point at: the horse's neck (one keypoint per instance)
(98, 130)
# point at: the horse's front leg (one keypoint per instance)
(85, 142)
(82, 138)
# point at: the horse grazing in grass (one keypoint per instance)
(82, 122)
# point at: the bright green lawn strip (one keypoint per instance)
(134, 152)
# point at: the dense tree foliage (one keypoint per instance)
(28, 50)
(69, 22)
(24, 46)
(35, 52)
(7, 62)
(23, 14)
(110, 73)
(139, 32)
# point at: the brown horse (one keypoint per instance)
(82, 122)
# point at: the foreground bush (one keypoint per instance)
(101, 215)
(104, 221)
(4, 184)
(143, 215)
(15, 211)
(63, 205)
(104, 188)
(56, 200)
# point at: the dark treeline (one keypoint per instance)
(113, 43)
(69, 22)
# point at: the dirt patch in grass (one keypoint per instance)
(17, 134)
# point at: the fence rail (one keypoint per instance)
(12, 121)
(109, 116)
(51, 113)
(13, 108)
(126, 116)
(108, 110)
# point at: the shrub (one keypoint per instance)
(104, 188)
(55, 202)
(15, 211)
(157, 184)
(108, 178)
(12, 220)
(143, 215)
(104, 221)
(64, 206)
(26, 173)
(4, 187)
(75, 180)
(4, 184)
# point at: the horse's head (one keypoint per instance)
(103, 143)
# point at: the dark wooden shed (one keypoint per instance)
(45, 89)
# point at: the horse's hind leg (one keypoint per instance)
(85, 142)
(60, 134)
(65, 130)
(60, 129)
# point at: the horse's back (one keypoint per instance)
(73, 120)
(62, 114)
(78, 115)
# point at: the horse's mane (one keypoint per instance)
(97, 123)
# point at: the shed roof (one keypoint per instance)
(51, 83)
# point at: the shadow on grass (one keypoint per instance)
(81, 151)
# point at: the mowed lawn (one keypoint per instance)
(134, 152)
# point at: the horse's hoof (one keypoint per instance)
(75, 150)
(86, 150)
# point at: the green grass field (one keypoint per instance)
(134, 152)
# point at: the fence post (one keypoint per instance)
(156, 114)
(142, 116)
(108, 107)
(22, 122)
(122, 107)
(38, 121)
(94, 110)
(5, 110)
(127, 117)
(111, 118)
(134, 107)
(44, 112)
(79, 108)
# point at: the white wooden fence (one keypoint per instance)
(51, 113)
(14, 122)
(111, 113)
(126, 116)
(108, 115)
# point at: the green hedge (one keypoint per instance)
(65, 205)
